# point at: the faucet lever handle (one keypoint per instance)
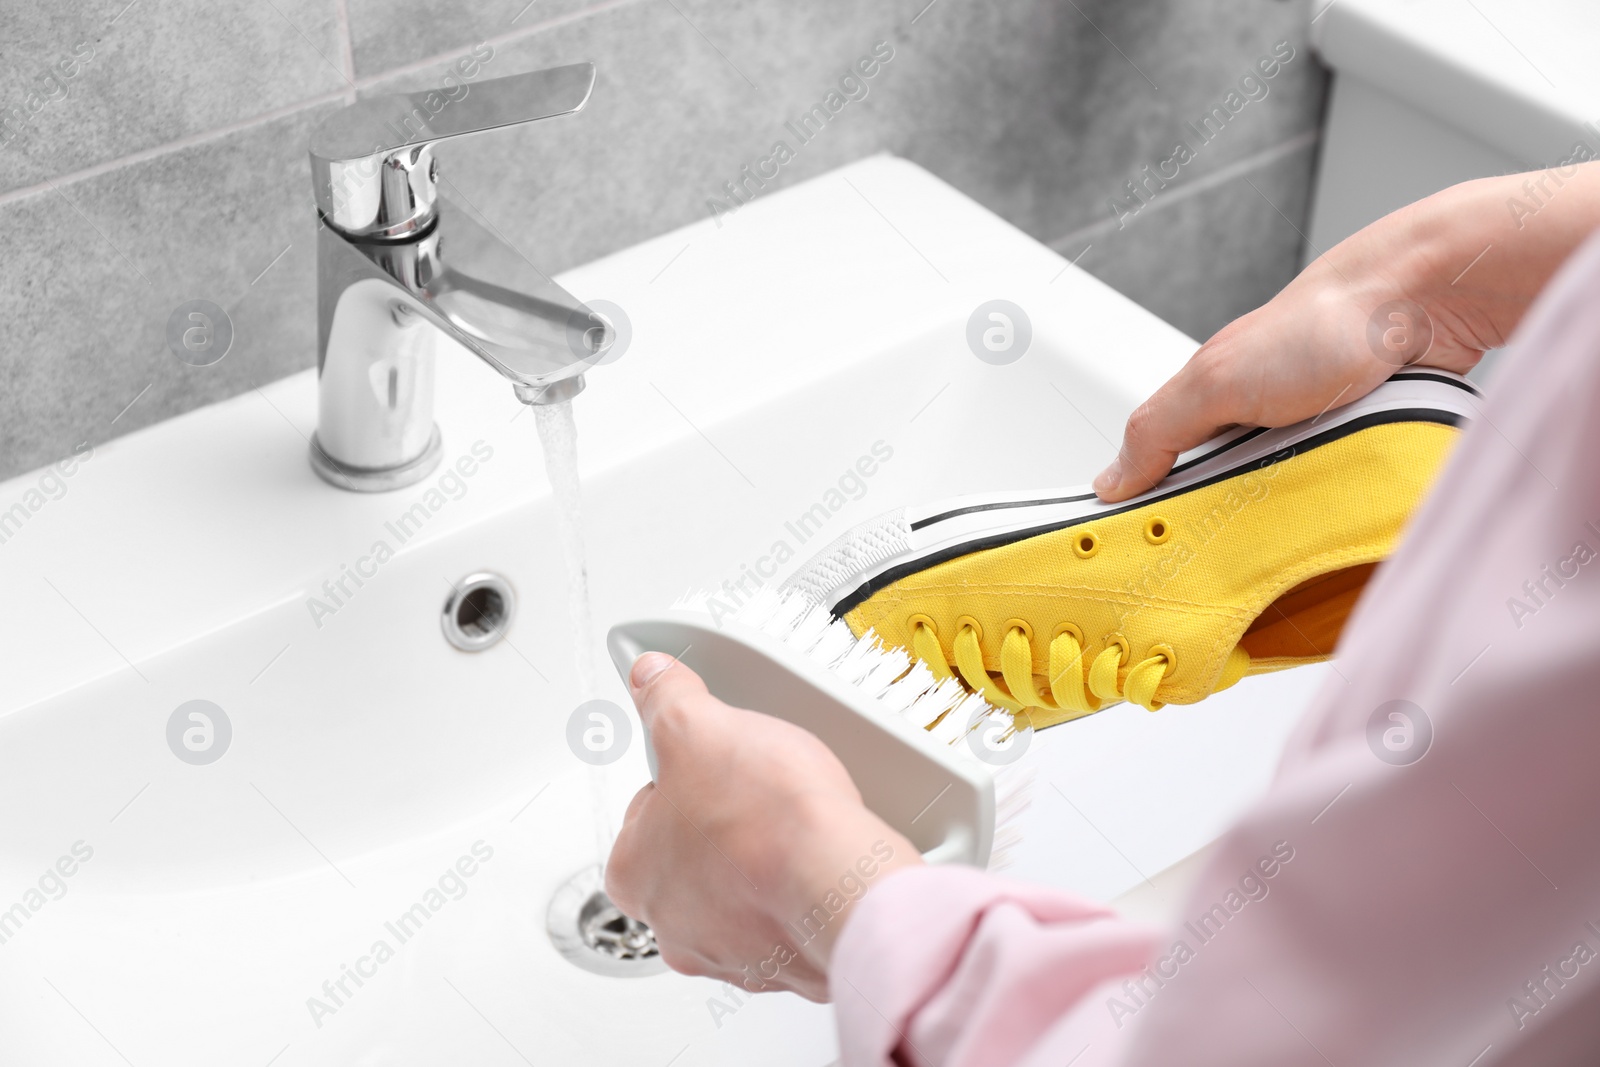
(372, 166)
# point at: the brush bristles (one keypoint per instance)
(900, 685)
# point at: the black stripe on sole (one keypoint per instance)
(1444, 379)
(1003, 504)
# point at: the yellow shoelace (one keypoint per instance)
(1073, 689)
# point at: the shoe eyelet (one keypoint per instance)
(1020, 624)
(1166, 652)
(1085, 543)
(1157, 530)
(1067, 628)
(967, 620)
(920, 619)
(1120, 643)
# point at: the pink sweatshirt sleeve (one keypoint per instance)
(1436, 891)
(955, 967)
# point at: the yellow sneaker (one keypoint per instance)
(1246, 559)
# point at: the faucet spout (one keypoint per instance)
(555, 393)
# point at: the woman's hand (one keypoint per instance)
(745, 854)
(1434, 284)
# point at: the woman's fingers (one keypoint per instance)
(658, 681)
(751, 821)
(1185, 412)
(623, 883)
(682, 716)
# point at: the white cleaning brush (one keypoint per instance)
(936, 762)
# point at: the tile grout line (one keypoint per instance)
(1200, 185)
(347, 58)
(144, 155)
(509, 37)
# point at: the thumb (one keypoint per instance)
(673, 702)
(1179, 416)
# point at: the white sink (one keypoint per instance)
(368, 755)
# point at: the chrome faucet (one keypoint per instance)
(402, 272)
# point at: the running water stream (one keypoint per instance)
(558, 434)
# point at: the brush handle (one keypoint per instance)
(942, 804)
(957, 848)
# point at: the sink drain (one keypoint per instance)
(592, 932)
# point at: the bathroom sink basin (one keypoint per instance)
(803, 365)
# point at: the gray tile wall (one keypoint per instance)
(154, 153)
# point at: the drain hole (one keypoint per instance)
(478, 612)
(592, 933)
(610, 933)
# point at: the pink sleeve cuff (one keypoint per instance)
(955, 967)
